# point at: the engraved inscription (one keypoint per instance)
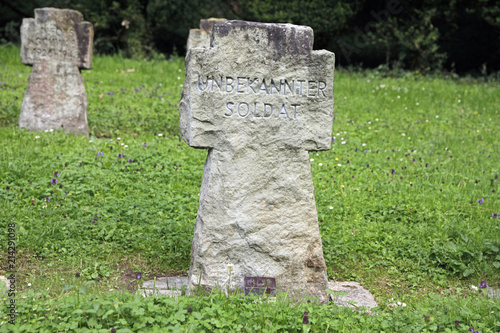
(247, 85)
(261, 110)
(240, 85)
(48, 42)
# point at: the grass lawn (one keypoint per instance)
(408, 201)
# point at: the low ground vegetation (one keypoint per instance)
(408, 201)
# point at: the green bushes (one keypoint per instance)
(417, 35)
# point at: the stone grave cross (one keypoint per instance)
(57, 43)
(258, 99)
(201, 37)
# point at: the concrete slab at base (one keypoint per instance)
(492, 293)
(355, 293)
(6, 282)
(173, 287)
(155, 292)
(170, 282)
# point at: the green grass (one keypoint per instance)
(397, 199)
(217, 312)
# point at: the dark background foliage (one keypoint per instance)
(453, 35)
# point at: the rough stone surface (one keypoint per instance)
(56, 43)
(201, 37)
(355, 293)
(259, 99)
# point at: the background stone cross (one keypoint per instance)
(259, 99)
(201, 37)
(56, 43)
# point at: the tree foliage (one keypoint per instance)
(420, 35)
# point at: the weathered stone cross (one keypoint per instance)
(259, 99)
(56, 43)
(201, 37)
